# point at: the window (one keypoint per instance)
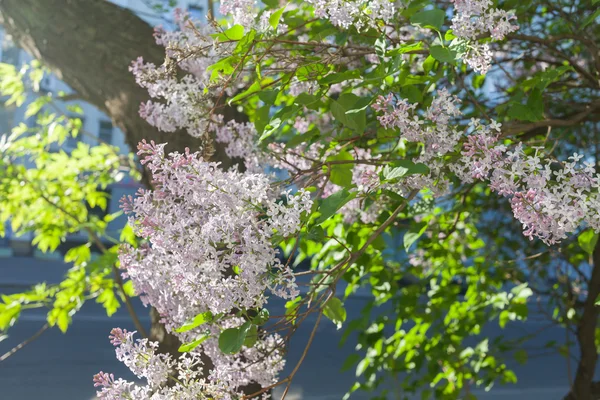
(105, 132)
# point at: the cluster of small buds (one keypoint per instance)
(297, 159)
(191, 45)
(183, 103)
(245, 13)
(301, 125)
(358, 13)
(474, 19)
(479, 57)
(183, 99)
(434, 131)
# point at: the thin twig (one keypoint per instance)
(24, 343)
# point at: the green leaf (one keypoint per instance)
(261, 118)
(184, 348)
(506, 316)
(591, 18)
(535, 103)
(350, 110)
(587, 240)
(109, 301)
(331, 204)
(231, 340)
(335, 311)
(271, 127)
(521, 112)
(308, 100)
(401, 168)
(350, 361)
(276, 17)
(443, 54)
(311, 71)
(380, 47)
(129, 289)
(251, 336)
(291, 309)
(78, 254)
(236, 32)
(198, 320)
(127, 235)
(521, 356)
(35, 106)
(261, 318)
(429, 19)
(449, 35)
(226, 66)
(316, 234)
(341, 174)
(406, 48)
(59, 317)
(9, 314)
(268, 96)
(362, 366)
(544, 78)
(413, 234)
(254, 88)
(340, 77)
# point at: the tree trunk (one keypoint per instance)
(583, 387)
(89, 45)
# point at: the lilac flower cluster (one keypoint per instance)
(243, 12)
(240, 140)
(180, 103)
(211, 224)
(433, 130)
(184, 103)
(549, 202)
(474, 19)
(209, 247)
(358, 13)
(143, 360)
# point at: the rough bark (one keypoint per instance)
(583, 386)
(89, 45)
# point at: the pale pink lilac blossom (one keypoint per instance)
(209, 247)
(549, 203)
(360, 14)
(185, 374)
(474, 19)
